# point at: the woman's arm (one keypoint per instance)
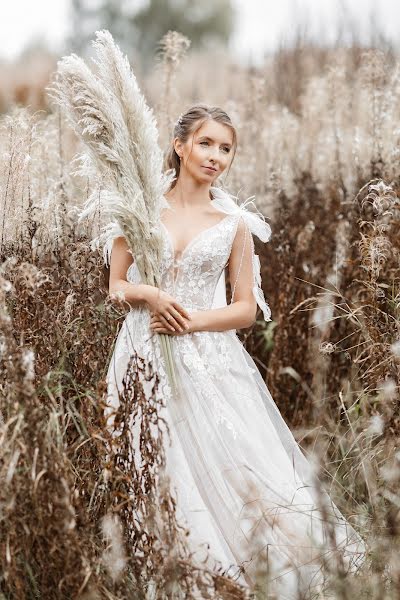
(242, 311)
(121, 259)
(173, 316)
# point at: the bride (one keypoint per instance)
(237, 471)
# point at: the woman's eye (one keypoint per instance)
(226, 150)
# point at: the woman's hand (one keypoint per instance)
(167, 315)
(157, 326)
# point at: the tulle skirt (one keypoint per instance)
(244, 488)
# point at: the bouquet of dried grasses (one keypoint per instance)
(110, 115)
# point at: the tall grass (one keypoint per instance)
(318, 142)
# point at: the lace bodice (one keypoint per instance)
(192, 278)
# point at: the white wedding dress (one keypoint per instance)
(243, 486)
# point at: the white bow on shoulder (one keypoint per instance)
(255, 220)
(257, 225)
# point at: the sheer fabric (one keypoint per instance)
(244, 488)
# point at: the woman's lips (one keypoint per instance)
(210, 169)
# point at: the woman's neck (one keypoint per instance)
(190, 193)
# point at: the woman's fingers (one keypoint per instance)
(158, 327)
(181, 310)
(170, 321)
(167, 323)
(156, 321)
(180, 319)
(172, 318)
(177, 318)
(162, 329)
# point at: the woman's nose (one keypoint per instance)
(213, 154)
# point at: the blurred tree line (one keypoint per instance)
(139, 26)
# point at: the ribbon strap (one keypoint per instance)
(258, 226)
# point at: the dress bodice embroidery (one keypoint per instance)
(192, 278)
(217, 241)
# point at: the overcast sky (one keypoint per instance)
(261, 24)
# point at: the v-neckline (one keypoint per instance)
(191, 242)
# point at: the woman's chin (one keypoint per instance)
(203, 179)
(209, 177)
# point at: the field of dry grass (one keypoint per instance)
(319, 148)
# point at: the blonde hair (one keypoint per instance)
(190, 122)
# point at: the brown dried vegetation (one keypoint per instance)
(78, 519)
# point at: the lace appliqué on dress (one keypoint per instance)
(206, 355)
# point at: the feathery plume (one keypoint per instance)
(109, 113)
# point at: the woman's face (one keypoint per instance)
(207, 152)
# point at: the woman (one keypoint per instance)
(238, 473)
